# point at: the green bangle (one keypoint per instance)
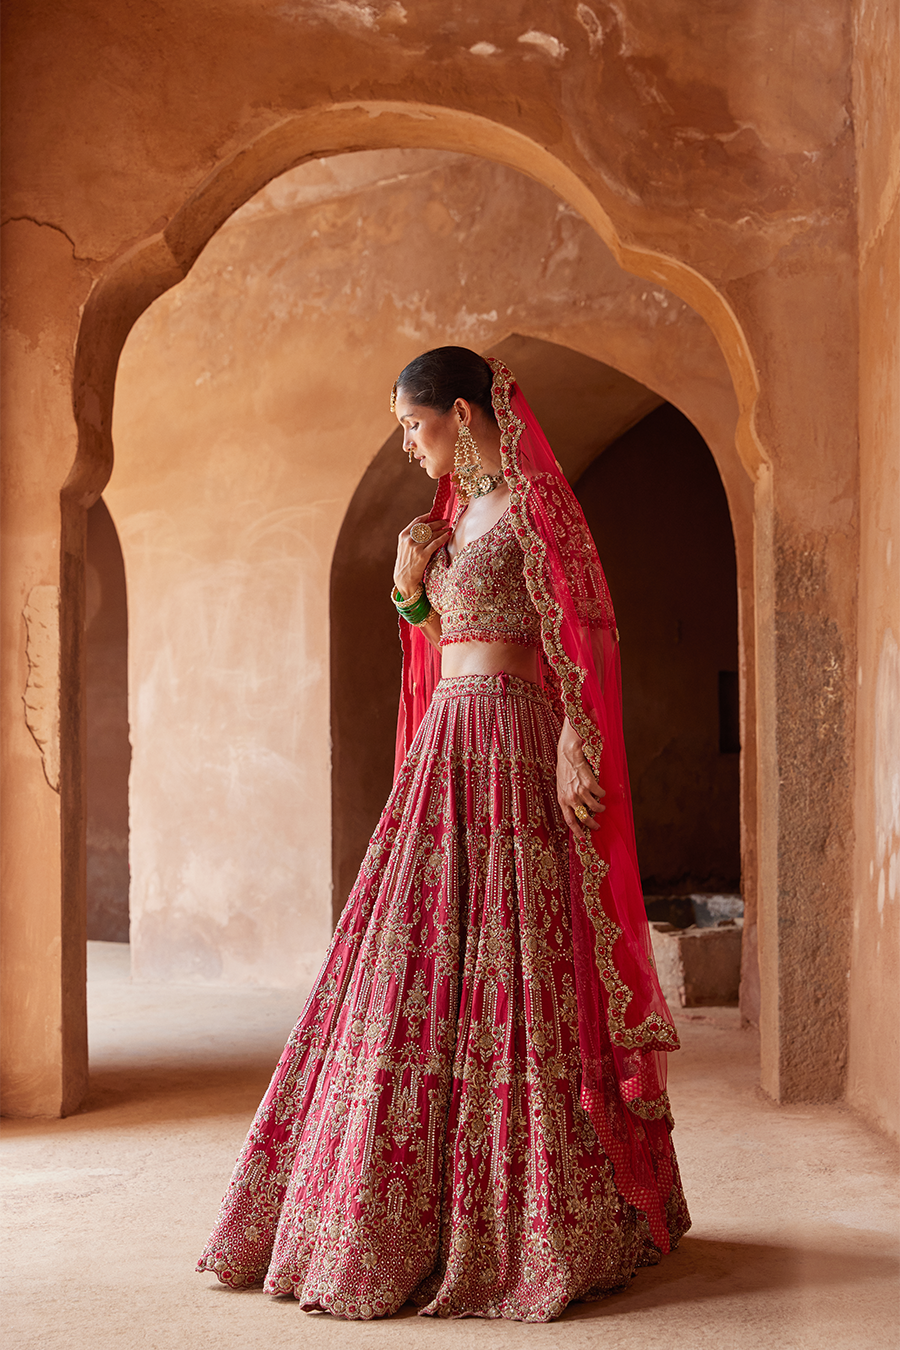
(416, 609)
(415, 613)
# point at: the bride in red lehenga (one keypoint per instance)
(471, 1111)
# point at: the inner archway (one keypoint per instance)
(644, 330)
(656, 507)
(676, 602)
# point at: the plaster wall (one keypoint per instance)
(42, 956)
(874, 1051)
(250, 401)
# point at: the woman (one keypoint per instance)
(471, 1111)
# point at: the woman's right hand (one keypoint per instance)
(413, 558)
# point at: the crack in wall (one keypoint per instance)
(41, 696)
(47, 225)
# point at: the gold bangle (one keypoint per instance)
(398, 600)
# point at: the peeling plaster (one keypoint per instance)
(591, 25)
(41, 697)
(346, 14)
(335, 10)
(547, 43)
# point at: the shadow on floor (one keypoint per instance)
(703, 1269)
(177, 1091)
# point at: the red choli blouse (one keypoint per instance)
(481, 595)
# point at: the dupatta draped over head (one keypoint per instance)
(624, 1026)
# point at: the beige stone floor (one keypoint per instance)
(795, 1210)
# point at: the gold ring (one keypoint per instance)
(421, 533)
(581, 811)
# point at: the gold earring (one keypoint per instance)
(467, 466)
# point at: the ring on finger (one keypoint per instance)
(581, 811)
(421, 533)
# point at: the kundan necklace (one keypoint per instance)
(485, 483)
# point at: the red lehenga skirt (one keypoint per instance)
(422, 1136)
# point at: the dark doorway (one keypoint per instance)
(108, 747)
(657, 509)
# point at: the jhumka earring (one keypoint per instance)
(468, 470)
(467, 466)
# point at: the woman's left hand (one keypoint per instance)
(576, 785)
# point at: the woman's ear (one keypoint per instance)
(463, 411)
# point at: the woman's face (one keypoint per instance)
(429, 435)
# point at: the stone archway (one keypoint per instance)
(152, 267)
(250, 401)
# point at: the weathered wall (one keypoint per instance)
(874, 1069)
(108, 751)
(42, 955)
(250, 400)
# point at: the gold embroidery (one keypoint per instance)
(481, 595)
(592, 605)
(422, 1135)
(658, 1109)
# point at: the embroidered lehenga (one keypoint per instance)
(471, 1112)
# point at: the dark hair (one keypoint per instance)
(436, 379)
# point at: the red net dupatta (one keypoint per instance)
(624, 1025)
(421, 661)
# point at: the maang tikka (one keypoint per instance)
(409, 453)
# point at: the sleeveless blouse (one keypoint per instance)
(480, 594)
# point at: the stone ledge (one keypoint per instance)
(698, 967)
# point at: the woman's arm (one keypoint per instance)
(413, 558)
(409, 569)
(575, 782)
(432, 629)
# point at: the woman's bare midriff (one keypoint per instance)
(490, 658)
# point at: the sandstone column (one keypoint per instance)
(43, 952)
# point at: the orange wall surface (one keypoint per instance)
(874, 1052)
